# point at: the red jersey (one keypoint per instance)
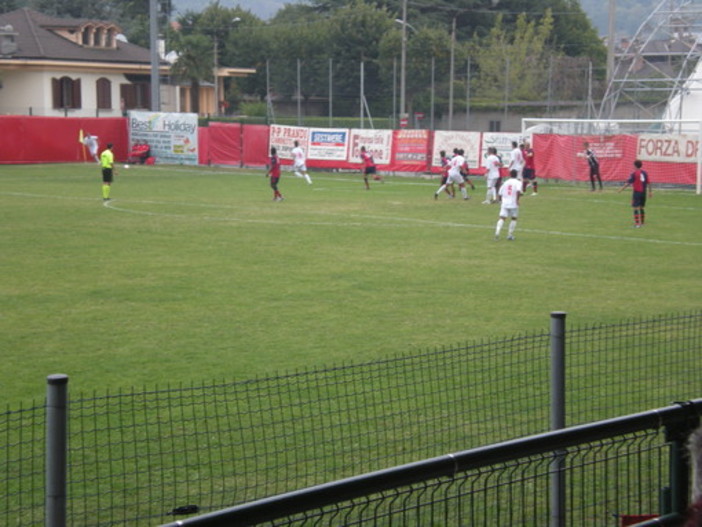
(367, 159)
(639, 180)
(445, 165)
(274, 169)
(528, 154)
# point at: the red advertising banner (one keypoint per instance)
(225, 143)
(255, 147)
(34, 139)
(411, 150)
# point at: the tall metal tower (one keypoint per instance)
(654, 65)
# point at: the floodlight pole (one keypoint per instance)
(403, 63)
(155, 59)
(451, 71)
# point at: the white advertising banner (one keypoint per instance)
(377, 142)
(667, 148)
(283, 138)
(172, 137)
(447, 141)
(328, 144)
(502, 141)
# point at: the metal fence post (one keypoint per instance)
(558, 484)
(56, 449)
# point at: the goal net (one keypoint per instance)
(669, 150)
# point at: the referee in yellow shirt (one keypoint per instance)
(107, 161)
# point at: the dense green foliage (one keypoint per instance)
(311, 37)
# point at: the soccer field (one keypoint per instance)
(193, 274)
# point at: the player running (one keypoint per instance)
(445, 162)
(299, 162)
(369, 168)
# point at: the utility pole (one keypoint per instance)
(403, 65)
(155, 59)
(611, 37)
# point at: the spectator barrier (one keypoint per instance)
(30, 139)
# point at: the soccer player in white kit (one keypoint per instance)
(510, 191)
(91, 141)
(456, 165)
(492, 164)
(516, 160)
(299, 166)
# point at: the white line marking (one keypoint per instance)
(377, 221)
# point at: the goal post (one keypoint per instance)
(669, 149)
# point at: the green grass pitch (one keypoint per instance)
(194, 274)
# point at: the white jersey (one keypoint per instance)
(454, 172)
(492, 164)
(298, 155)
(516, 160)
(509, 192)
(91, 141)
(455, 165)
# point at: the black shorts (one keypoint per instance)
(107, 175)
(529, 173)
(638, 199)
(594, 171)
(369, 170)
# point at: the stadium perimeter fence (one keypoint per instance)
(138, 457)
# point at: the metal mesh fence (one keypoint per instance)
(371, 90)
(22, 466)
(608, 480)
(134, 457)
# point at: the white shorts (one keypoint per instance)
(492, 182)
(455, 178)
(300, 168)
(509, 212)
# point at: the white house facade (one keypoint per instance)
(72, 67)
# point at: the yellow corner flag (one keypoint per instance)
(80, 140)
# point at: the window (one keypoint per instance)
(103, 88)
(97, 37)
(110, 38)
(136, 95)
(65, 92)
(495, 126)
(85, 36)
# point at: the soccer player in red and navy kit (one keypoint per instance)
(274, 173)
(641, 185)
(368, 167)
(445, 165)
(529, 172)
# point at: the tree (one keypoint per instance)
(300, 34)
(514, 61)
(358, 29)
(8, 5)
(194, 63)
(96, 9)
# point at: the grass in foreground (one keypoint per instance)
(192, 274)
